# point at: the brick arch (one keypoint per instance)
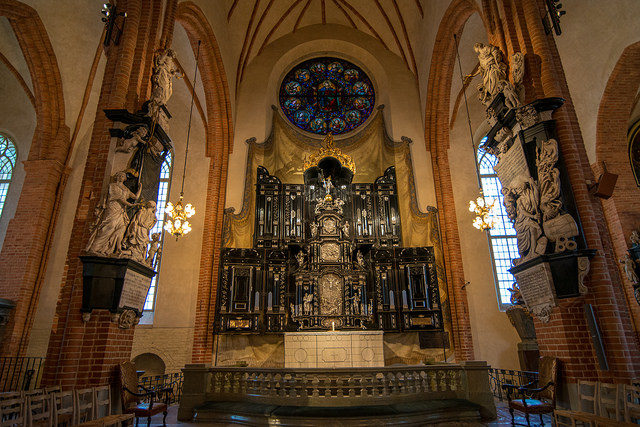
(437, 140)
(622, 209)
(219, 140)
(51, 136)
(30, 232)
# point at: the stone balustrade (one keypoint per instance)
(336, 387)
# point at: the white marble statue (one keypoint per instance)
(307, 305)
(126, 145)
(164, 69)
(154, 250)
(629, 268)
(137, 236)
(517, 74)
(494, 75)
(527, 224)
(111, 223)
(549, 179)
(328, 186)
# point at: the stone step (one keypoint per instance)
(449, 412)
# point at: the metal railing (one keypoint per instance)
(20, 373)
(173, 380)
(498, 377)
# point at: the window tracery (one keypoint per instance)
(8, 156)
(502, 237)
(327, 95)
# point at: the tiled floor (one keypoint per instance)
(503, 419)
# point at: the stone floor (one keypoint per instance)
(503, 419)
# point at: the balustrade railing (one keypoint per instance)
(20, 373)
(499, 377)
(336, 387)
(173, 380)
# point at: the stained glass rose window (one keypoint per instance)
(324, 95)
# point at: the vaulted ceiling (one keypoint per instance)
(254, 24)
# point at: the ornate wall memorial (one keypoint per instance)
(538, 198)
(117, 263)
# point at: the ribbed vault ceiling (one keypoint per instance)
(256, 23)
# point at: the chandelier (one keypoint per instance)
(482, 209)
(177, 216)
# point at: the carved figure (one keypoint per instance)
(127, 319)
(549, 179)
(629, 269)
(355, 303)
(360, 259)
(345, 229)
(527, 223)
(314, 229)
(300, 259)
(164, 69)
(137, 236)
(516, 296)
(634, 239)
(492, 68)
(111, 223)
(154, 250)
(126, 145)
(308, 304)
(328, 186)
(517, 74)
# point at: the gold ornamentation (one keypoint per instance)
(330, 252)
(330, 294)
(330, 150)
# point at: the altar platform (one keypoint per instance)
(438, 393)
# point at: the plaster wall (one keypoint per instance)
(594, 34)
(494, 338)
(396, 88)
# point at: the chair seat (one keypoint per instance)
(533, 406)
(142, 409)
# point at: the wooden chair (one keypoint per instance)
(85, 405)
(64, 408)
(588, 396)
(40, 410)
(537, 397)
(13, 413)
(103, 415)
(609, 401)
(132, 395)
(631, 396)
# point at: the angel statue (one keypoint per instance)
(137, 236)
(164, 69)
(629, 268)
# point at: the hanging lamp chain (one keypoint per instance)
(193, 94)
(466, 104)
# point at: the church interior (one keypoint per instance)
(319, 212)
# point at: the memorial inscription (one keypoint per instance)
(134, 290)
(512, 166)
(536, 287)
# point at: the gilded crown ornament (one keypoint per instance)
(330, 150)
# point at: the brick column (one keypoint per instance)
(82, 354)
(565, 335)
(21, 260)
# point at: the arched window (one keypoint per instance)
(161, 202)
(502, 237)
(8, 157)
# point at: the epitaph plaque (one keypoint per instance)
(134, 290)
(536, 287)
(512, 167)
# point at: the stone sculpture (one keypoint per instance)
(155, 249)
(527, 222)
(164, 69)
(494, 75)
(629, 268)
(109, 228)
(307, 305)
(137, 235)
(126, 145)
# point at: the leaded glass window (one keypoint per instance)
(325, 95)
(163, 196)
(502, 237)
(8, 157)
